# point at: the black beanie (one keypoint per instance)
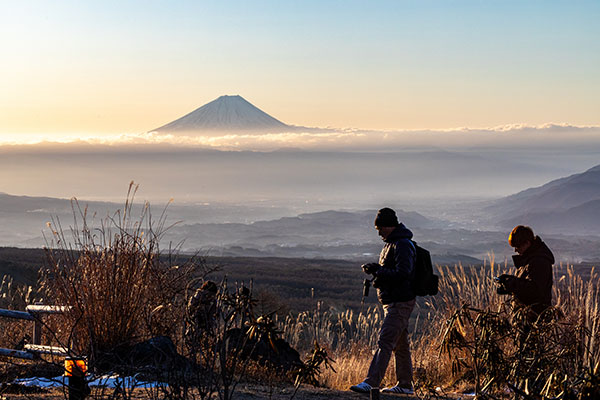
(386, 217)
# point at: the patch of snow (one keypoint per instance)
(42, 382)
(108, 381)
(112, 381)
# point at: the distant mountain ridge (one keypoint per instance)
(325, 234)
(579, 220)
(559, 194)
(224, 114)
(318, 228)
(568, 205)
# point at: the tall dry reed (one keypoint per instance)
(14, 296)
(351, 337)
(112, 273)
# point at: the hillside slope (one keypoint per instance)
(559, 194)
(569, 205)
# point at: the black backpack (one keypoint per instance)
(426, 282)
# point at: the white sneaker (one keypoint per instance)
(362, 387)
(398, 390)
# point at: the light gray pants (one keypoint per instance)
(393, 337)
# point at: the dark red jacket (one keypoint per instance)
(533, 284)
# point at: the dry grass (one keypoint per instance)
(15, 333)
(112, 272)
(123, 290)
(352, 337)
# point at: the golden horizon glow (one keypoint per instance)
(85, 68)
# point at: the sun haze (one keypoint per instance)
(75, 68)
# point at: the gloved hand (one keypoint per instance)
(371, 268)
(502, 290)
(507, 284)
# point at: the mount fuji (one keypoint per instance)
(227, 114)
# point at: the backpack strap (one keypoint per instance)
(414, 247)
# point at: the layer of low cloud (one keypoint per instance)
(508, 136)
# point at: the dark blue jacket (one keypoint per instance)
(394, 280)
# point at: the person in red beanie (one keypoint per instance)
(531, 287)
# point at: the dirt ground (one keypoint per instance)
(243, 392)
(306, 393)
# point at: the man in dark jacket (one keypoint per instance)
(393, 278)
(531, 287)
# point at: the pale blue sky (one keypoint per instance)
(130, 66)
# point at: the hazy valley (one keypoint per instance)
(455, 230)
(460, 196)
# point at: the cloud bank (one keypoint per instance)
(345, 167)
(507, 136)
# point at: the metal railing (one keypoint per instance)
(33, 350)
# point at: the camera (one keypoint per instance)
(501, 280)
(366, 287)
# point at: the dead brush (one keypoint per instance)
(493, 348)
(349, 336)
(496, 350)
(222, 343)
(311, 370)
(16, 333)
(120, 286)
